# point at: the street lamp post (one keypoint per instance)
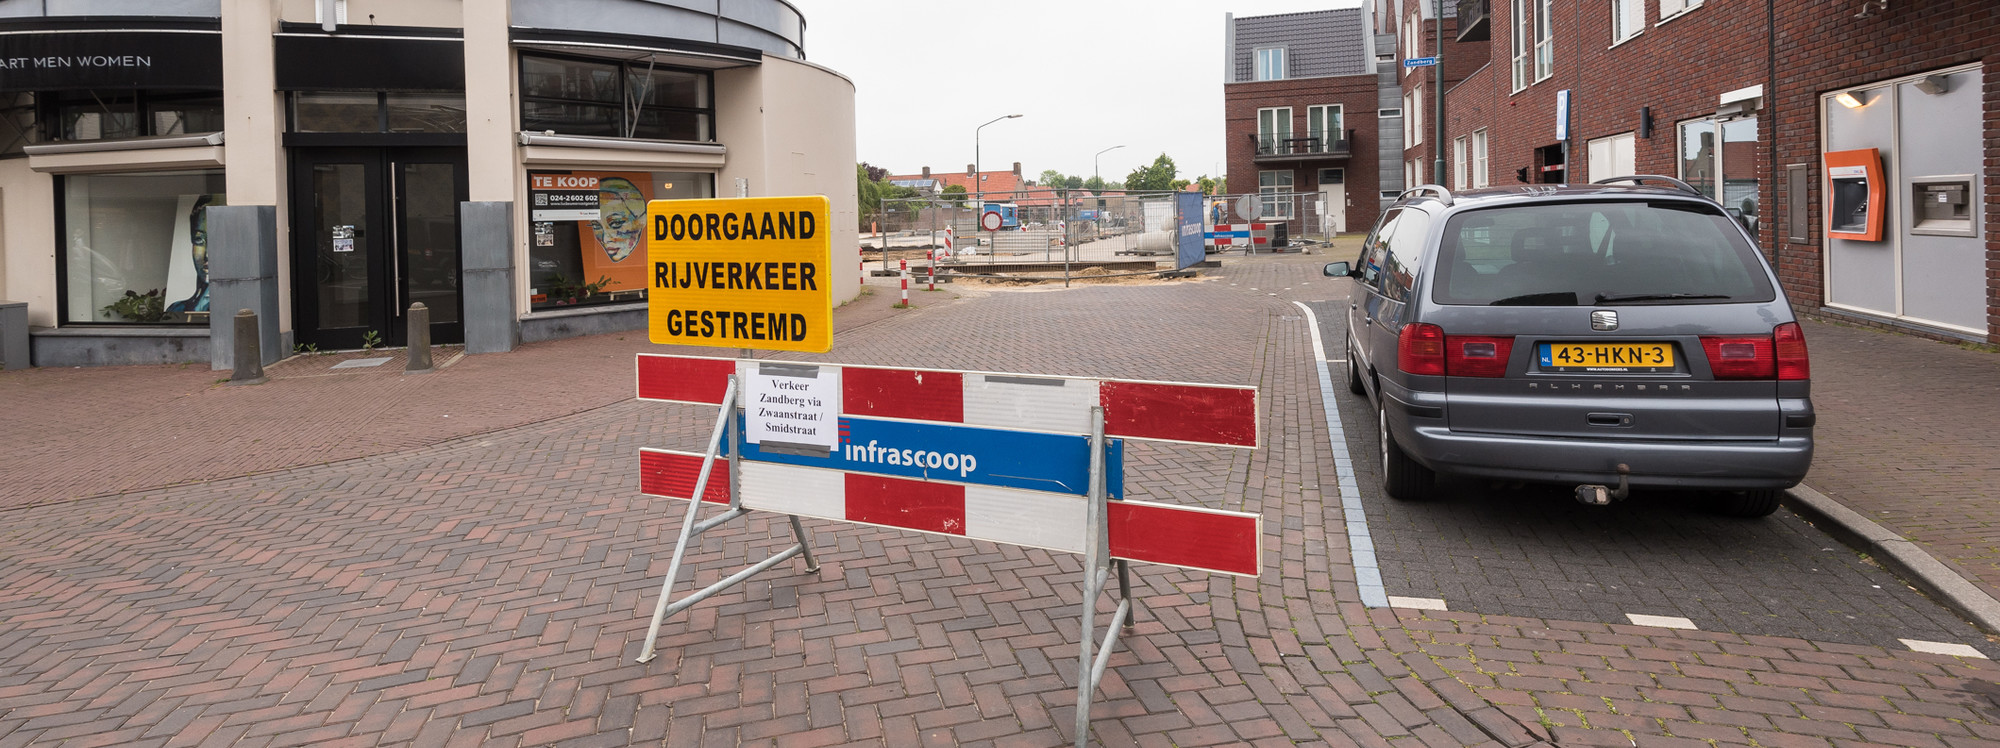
(1093, 163)
(978, 176)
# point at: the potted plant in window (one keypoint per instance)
(140, 307)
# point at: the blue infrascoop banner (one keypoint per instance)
(1187, 221)
(1058, 463)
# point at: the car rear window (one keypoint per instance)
(1595, 253)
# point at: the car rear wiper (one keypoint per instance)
(1554, 298)
(1608, 298)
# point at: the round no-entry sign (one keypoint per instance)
(990, 220)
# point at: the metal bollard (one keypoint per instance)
(249, 356)
(420, 339)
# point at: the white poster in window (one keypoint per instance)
(792, 404)
(187, 256)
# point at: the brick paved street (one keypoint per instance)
(487, 584)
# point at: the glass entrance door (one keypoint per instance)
(375, 230)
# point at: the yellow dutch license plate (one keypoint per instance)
(1608, 357)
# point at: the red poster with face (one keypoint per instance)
(614, 245)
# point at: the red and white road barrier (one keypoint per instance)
(932, 277)
(1237, 234)
(1216, 414)
(948, 252)
(1149, 532)
(863, 266)
(906, 284)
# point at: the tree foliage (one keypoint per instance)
(870, 191)
(1157, 176)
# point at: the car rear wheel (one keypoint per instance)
(1354, 384)
(1751, 504)
(1403, 479)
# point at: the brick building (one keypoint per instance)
(1857, 139)
(1301, 100)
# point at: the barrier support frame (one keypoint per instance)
(725, 427)
(1097, 568)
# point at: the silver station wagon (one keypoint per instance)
(1605, 336)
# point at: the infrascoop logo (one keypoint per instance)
(928, 450)
(964, 463)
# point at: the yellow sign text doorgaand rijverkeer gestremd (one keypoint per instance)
(741, 273)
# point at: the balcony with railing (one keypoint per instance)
(1474, 20)
(1313, 145)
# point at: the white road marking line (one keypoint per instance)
(1418, 603)
(1942, 648)
(1361, 546)
(1665, 622)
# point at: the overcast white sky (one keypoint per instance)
(1085, 74)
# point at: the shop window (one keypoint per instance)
(17, 123)
(107, 115)
(577, 96)
(587, 232)
(135, 246)
(343, 112)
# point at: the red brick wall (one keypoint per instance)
(1820, 52)
(1355, 94)
(1680, 67)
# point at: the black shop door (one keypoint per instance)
(375, 230)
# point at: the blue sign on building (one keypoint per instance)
(1419, 62)
(1032, 460)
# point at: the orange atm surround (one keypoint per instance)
(1855, 195)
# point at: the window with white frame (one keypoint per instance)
(1671, 8)
(1545, 44)
(1523, 39)
(1274, 130)
(1272, 185)
(1459, 179)
(1417, 115)
(1413, 119)
(1719, 158)
(1612, 157)
(1628, 18)
(1323, 125)
(1479, 159)
(1413, 40)
(1271, 64)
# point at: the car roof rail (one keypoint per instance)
(1643, 178)
(1444, 195)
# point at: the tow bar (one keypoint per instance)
(1599, 495)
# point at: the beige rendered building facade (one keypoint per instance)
(166, 163)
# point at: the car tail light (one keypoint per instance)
(1747, 357)
(1420, 349)
(1791, 352)
(1476, 355)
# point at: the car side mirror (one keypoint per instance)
(1338, 270)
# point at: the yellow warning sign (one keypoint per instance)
(741, 273)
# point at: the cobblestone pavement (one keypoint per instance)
(492, 589)
(1907, 435)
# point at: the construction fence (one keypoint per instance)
(1075, 225)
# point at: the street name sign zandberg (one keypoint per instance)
(741, 273)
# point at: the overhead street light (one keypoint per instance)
(1093, 162)
(978, 175)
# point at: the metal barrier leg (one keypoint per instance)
(1095, 571)
(805, 545)
(688, 529)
